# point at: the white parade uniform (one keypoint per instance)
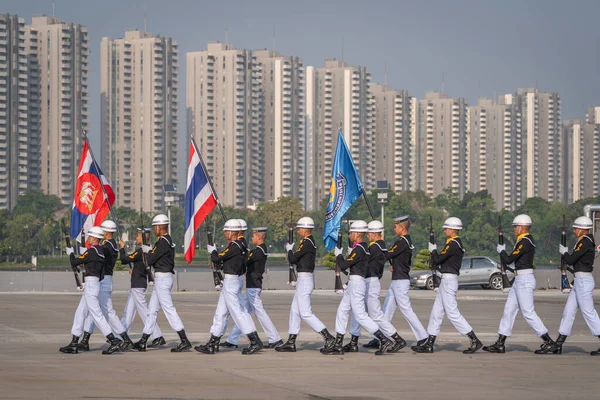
(136, 303)
(252, 302)
(106, 305)
(229, 303)
(161, 298)
(90, 306)
(445, 303)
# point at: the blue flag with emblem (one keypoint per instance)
(345, 188)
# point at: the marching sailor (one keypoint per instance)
(256, 261)
(229, 300)
(106, 287)
(520, 296)
(162, 257)
(354, 298)
(301, 310)
(449, 260)
(582, 260)
(94, 261)
(136, 302)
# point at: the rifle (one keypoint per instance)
(339, 288)
(68, 243)
(506, 284)
(292, 278)
(434, 278)
(565, 286)
(347, 273)
(144, 243)
(217, 277)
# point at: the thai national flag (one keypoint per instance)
(200, 200)
(90, 204)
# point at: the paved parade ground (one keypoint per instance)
(34, 326)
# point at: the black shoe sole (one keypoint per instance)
(181, 349)
(274, 345)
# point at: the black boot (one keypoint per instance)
(475, 343)
(84, 345)
(255, 344)
(184, 345)
(141, 345)
(229, 345)
(399, 343)
(548, 346)
(327, 337)
(127, 343)
(421, 342)
(159, 341)
(497, 347)
(115, 344)
(373, 344)
(384, 343)
(289, 346)
(71, 348)
(274, 345)
(352, 346)
(559, 343)
(426, 347)
(337, 348)
(595, 352)
(210, 347)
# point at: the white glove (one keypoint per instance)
(146, 248)
(337, 251)
(349, 250)
(82, 250)
(500, 248)
(289, 246)
(432, 247)
(210, 248)
(562, 249)
(69, 251)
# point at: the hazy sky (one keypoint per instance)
(481, 48)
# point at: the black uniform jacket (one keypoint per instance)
(304, 256)
(162, 256)
(522, 254)
(257, 259)
(110, 255)
(401, 256)
(377, 251)
(450, 258)
(139, 277)
(93, 259)
(582, 258)
(231, 259)
(357, 261)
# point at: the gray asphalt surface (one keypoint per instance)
(34, 326)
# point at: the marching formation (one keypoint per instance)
(364, 264)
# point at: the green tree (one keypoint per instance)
(422, 260)
(276, 217)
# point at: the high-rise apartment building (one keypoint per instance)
(338, 94)
(19, 111)
(541, 141)
(495, 148)
(139, 84)
(279, 111)
(441, 148)
(61, 51)
(581, 158)
(395, 137)
(219, 101)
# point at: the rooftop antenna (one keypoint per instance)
(226, 35)
(145, 19)
(53, 6)
(273, 40)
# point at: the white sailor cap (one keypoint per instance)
(401, 219)
(260, 229)
(144, 229)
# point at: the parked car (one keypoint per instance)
(481, 271)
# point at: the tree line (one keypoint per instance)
(33, 227)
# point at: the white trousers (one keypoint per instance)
(399, 298)
(229, 303)
(354, 300)
(580, 298)
(242, 302)
(520, 297)
(136, 303)
(373, 287)
(89, 305)
(445, 304)
(254, 305)
(106, 305)
(301, 309)
(161, 298)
